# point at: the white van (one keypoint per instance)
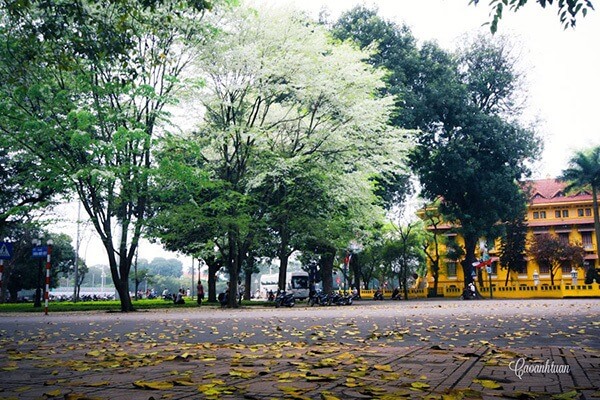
(296, 283)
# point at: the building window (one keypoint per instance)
(588, 212)
(557, 214)
(566, 268)
(564, 237)
(565, 213)
(544, 269)
(580, 212)
(536, 215)
(451, 268)
(586, 240)
(542, 214)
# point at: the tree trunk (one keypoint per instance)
(14, 295)
(467, 263)
(123, 285)
(248, 277)
(405, 280)
(435, 272)
(213, 268)
(283, 264)
(327, 260)
(232, 263)
(283, 254)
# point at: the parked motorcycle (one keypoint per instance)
(284, 299)
(469, 293)
(343, 299)
(318, 298)
(378, 295)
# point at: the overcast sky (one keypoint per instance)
(562, 67)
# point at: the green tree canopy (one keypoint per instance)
(287, 145)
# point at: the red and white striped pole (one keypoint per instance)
(47, 293)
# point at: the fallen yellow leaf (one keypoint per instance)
(328, 396)
(52, 393)
(153, 385)
(488, 383)
(80, 396)
(420, 385)
(386, 368)
(97, 384)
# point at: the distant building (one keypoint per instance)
(550, 210)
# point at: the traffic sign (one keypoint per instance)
(39, 252)
(6, 250)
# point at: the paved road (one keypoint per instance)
(563, 323)
(415, 349)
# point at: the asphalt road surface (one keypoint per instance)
(507, 323)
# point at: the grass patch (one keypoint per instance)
(111, 305)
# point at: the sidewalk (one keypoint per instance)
(139, 369)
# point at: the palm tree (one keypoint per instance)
(584, 172)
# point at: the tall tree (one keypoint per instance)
(404, 252)
(283, 133)
(583, 173)
(475, 171)
(90, 81)
(512, 247)
(432, 242)
(474, 164)
(551, 252)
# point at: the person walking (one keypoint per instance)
(200, 290)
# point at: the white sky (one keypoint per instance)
(562, 67)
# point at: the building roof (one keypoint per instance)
(545, 191)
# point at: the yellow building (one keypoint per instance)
(551, 210)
